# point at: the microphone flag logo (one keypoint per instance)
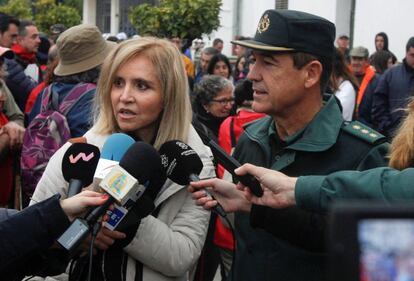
(82, 156)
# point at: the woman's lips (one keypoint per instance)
(126, 114)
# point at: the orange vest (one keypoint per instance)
(369, 74)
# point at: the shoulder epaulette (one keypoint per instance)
(363, 132)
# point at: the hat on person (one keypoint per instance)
(292, 31)
(6, 53)
(343, 36)
(81, 48)
(359, 52)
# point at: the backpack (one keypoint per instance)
(47, 132)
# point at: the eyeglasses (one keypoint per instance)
(224, 101)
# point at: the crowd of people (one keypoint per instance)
(292, 106)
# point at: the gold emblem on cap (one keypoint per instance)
(264, 23)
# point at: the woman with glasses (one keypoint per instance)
(213, 102)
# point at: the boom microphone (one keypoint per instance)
(183, 165)
(125, 184)
(78, 166)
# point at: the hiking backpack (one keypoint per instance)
(46, 133)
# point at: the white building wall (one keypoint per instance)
(251, 11)
(228, 24)
(322, 8)
(238, 17)
(392, 17)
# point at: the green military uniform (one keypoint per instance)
(294, 248)
(315, 193)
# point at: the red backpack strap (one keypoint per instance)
(74, 95)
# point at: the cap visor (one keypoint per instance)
(255, 45)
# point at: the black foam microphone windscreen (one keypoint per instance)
(78, 166)
(180, 161)
(183, 165)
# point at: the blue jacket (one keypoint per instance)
(18, 82)
(79, 117)
(391, 96)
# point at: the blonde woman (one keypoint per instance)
(402, 146)
(143, 91)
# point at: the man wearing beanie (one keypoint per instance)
(303, 134)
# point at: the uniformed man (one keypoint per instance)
(303, 134)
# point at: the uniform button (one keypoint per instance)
(277, 157)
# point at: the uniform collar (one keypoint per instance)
(319, 135)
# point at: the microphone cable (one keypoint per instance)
(95, 230)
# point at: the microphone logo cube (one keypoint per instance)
(119, 184)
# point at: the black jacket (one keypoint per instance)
(25, 235)
(391, 96)
(18, 82)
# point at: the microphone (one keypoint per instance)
(125, 184)
(115, 146)
(113, 149)
(78, 166)
(230, 164)
(183, 165)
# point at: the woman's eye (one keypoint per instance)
(118, 82)
(141, 85)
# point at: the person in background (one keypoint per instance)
(381, 44)
(9, 27)
(218, 44)
(55, 30)
(342, 44)
(43, 51)
(26, 49)
(381, 61)
(205, 58)
(219, 65)
(53, 61)
(143, 92)
(213, 102)
(189, 66)
(368, 80)
(240, 51)
(344, 86)
(18, 81)
(81, 51)
(394, 89)
(11, 132)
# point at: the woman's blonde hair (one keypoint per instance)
(175, 118)
(402, 146)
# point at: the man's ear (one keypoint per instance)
(313, 73)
